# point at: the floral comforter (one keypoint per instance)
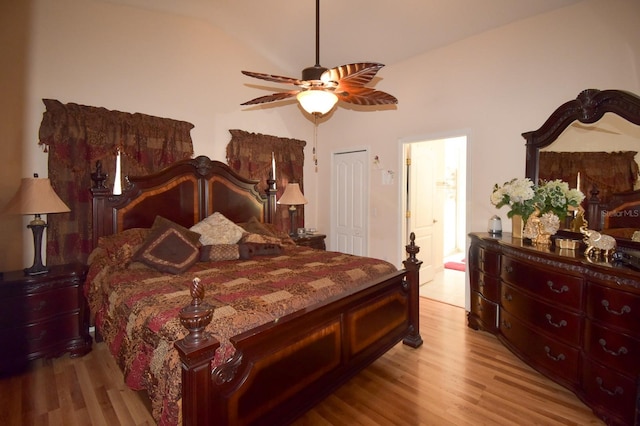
(136, 307)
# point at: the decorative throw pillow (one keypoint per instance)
(249, 250)
(169, 247)
(285, 239)
(120, 248)
(254, 226)
(218, 252)
(259, 239)
(217, 229)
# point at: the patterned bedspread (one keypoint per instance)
(136, 308)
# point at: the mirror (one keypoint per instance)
(596, 120)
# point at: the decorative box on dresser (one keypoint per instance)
(575, 321)
(42, 316)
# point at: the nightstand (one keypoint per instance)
(315, 241)
(42, 316)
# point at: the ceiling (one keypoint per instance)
(384, 31)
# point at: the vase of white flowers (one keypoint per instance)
(549, 201)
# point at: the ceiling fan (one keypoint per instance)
(320, 88)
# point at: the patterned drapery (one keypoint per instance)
(76, 137)
(610, 172)
(249, 154)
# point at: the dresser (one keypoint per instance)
(575, 321)
(42, 316)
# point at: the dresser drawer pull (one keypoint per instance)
(625, 309)
(562, 323)
(481, 283)
(617, 391)
(506, 324)
(621, 351)
(509, 269)
(562, 289)
(508, 297)
(560, 357)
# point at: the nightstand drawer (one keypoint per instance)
(34, 340)
(36, 307)
(43, 315)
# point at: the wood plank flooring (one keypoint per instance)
(458, 377)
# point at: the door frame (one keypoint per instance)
(332, 202)
(403, 232)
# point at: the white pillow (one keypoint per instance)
(217, 229)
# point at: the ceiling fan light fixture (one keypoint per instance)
(317, 101)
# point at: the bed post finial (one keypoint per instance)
(412, 265)
(412, 248)
(197, 315)
(196, 351)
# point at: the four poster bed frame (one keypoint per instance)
(282, 368)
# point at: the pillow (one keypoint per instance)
(217, 229)
(249, 250)
(119, 248)
(218, 252)
(285, 239)
(169, 247)
(259, 239)
(254, 226)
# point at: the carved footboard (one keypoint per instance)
(284, 367)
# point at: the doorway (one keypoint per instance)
(434, 197)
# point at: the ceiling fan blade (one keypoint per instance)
(271, 98)
(274, 78)
(366, 96)
(357, 74)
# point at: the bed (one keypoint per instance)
(276, 365)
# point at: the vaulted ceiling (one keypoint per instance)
(386, 31)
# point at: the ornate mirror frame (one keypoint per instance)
(587, 108)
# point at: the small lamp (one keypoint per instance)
(292, 197)
(36, 196)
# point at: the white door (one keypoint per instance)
(423, 216)
(350, 201)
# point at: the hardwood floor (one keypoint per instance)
(458, 377)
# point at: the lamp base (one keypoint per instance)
(37, 227)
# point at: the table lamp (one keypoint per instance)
(292, 197)
(36, 196)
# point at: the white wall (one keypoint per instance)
(497, 85)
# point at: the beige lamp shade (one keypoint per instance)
(292, 196)
(35, 196)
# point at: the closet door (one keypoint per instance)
(350, 200)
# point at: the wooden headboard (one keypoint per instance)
(185, 192)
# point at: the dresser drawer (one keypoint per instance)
(485, 284)
(552, 285)
(613, 307)
(554, 321)
(614, 349)
(485, 311)
(489, 261)
(558, 359)
(38, 306)
(609, 391)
